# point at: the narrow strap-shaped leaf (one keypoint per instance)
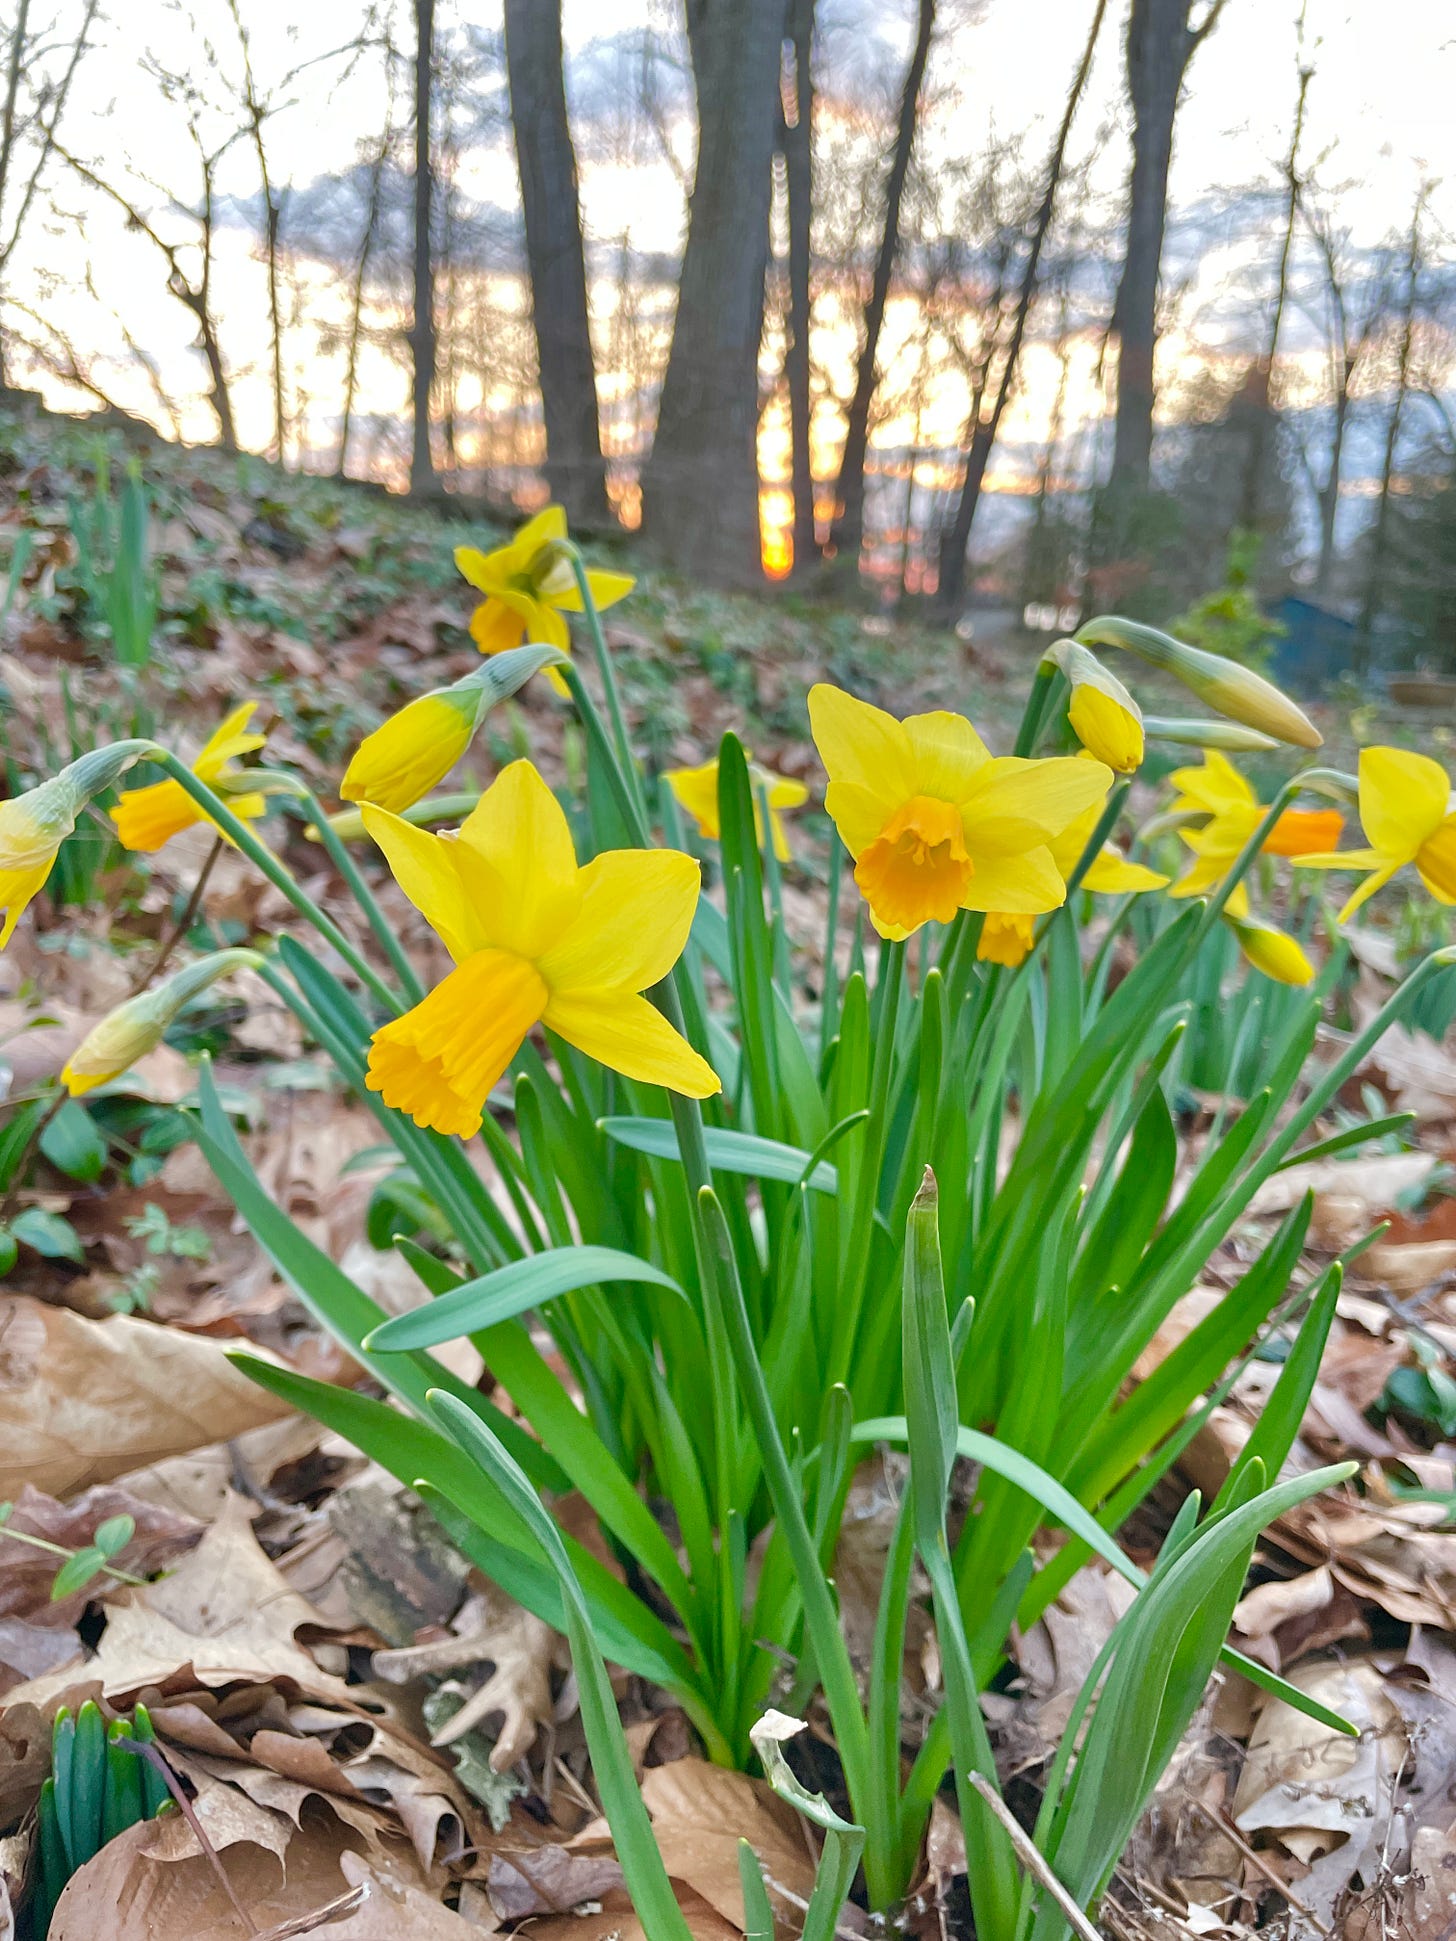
(729, 1151)
(513, 1290)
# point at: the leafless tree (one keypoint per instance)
(700, 492)
(1373, 599)
(422, 329)
(560, 302)
(848, 529)
(34, 107)
(1161, 41)
(982, 428)
(796, 144)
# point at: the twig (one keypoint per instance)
(140, 1749)
(1035, 1865)
(335, 1910)
(184, 922)
(1260, 1864)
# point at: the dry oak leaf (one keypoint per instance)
(84, 1401)
(153, 1884)
(226, 1615)
(699, 1814)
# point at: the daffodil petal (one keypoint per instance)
(1018, 803)
(548, 525)
(636, 911)
(483, 571)
(520, 830)
(1026, 884)
(861, 748)
(502, 622)
(228, 742)
(1376, 880)
(17, 888)
(439, 1061)
(1343, 859)
(426, 867)
(147, 818)
(1436, 862)
(946, 754)
(1111, 874)
(1216, 786)
(606, 590)
(632, 1037)
(1403, 799)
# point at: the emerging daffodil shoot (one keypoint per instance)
(536, 939)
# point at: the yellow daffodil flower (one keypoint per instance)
(35, 824)
(528, 587)
(1408, 816)
(697, 790)
(133, 1029)
(1271, 951)
(536, 940)
(1104, 716)
(405, 757)
(148, 818)
(1234, 812)
(1007, 939)
(935, 823)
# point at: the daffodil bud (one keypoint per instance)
(1271, 951)
(1104, 716)
(1233, 690)
(133, 1029)
(413, 750)
(1230, 736)
(34, 825)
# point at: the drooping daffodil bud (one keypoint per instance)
(34, 825)
(133, 1029)
(1227, 687)
(405, 757)
(1104, 716)
(1272, 951)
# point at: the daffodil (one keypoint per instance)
(1408, 816)
(1269, 950)
(1104, 716)
(536, 940)
(133, 1029)
(934, 822)
(405, 757)
(1235, 691)
(1233, 812)
(529, 587)
(697, 790)
(1007, 939)
(34, 825)
(148, 818)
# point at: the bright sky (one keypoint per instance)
(1379, 112)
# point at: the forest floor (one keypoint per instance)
(313, 1636)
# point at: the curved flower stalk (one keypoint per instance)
(407, 755)
(530, 587)
(536, 939)
(147, 818)
(935, 823)
(1408, 817)
(34, 825)
(112, 1046)
(1224, 685)
(696, 789)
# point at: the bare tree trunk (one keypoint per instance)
(848, 533)
(981, 432)
(560, 300)
(1261, 401)
(796, 140)
(7, 134)
(1374, 596)
(373, 209)
(422, 334)
(272, 220)
(700, 489)
(1329, 495)
(1160, 44)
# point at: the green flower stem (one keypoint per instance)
(1034, 714)
(888, 988)
(603, 660)
(352, 874)
(258, 853)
